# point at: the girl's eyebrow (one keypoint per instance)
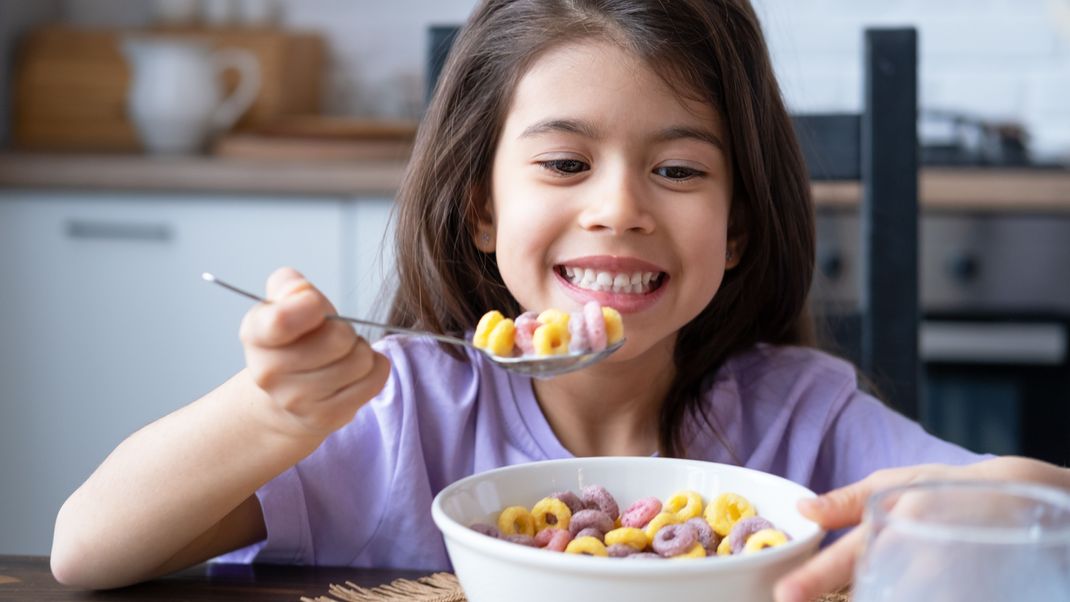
(588, 130)
(568, 126)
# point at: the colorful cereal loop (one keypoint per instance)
(550, 507)
(685, 505)
(631, 536)
(724, 548)
(766, 538)
(696, 551)
(725, 510)
(550, 339)
(553, 315)
(485, 326)
(614, 325)
(500, 340)
(516, 520)
(659, 521)
(586, 545)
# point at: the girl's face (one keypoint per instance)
(607, 186)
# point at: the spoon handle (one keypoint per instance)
(385, 327)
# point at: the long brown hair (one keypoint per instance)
(712, 50)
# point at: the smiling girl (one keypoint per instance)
(634, 153)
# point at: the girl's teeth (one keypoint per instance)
(635, 283)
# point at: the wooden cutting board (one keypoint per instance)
(314, 138)
(70, 83)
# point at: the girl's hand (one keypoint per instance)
(317, 372)
(832, 568)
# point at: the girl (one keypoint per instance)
(567, 137)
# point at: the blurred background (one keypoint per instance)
(142, 143)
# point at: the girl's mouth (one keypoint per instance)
(607, 281)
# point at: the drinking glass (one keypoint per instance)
(959, 541)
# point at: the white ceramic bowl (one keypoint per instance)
(491, 570)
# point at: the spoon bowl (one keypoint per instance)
(542, 366)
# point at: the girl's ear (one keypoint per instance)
(737, 237)
(485, 239)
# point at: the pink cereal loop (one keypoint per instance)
(596, 325)
(559, 541)
(640, 512)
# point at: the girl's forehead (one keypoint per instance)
(604, 81)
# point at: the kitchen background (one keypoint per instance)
(105, 325)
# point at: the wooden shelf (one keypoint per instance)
(958, 189)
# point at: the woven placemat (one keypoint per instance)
(438, 587)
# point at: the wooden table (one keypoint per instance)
(27, 578)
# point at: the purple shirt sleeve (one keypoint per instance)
(867, 436)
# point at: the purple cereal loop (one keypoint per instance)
(673, 540)
(640, 512)
(737, 538)
(620, 550)
(702, 529)
(590, 518)
(649, 555)
(570, 499)
(486, 529)
(597, 498)
(591, 532)
(524, 540)
(706, 535)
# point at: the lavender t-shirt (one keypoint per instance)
(363, 498)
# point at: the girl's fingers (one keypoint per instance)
(294, 391)
(328, 343)
(285, 320)
(285, 281)
(843, 507)
(829, 571)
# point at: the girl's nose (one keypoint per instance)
(616, 204)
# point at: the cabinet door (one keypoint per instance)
(106, 325)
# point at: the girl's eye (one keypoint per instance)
(565, 166)
(677, 172)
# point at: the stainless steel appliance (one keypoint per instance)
(995, 300)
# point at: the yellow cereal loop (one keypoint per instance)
(516, 520)
(766, 538)
(553, 506)
(551, 339)
(684, 504)
(553, 315)
(485, 326)
(660, 520)
(724, 548)
(501, 339)
(630, 536)
(586, 545)
(696, 551)
(726, 510)
(614, 325)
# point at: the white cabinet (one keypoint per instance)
(105, 323)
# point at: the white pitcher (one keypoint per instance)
(176, 98)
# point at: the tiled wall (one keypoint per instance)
(996, 59)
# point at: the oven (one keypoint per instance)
(993, 341)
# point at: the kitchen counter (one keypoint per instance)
(953, 189)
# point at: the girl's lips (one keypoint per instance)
(625, 303)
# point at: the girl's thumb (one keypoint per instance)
(838, 508)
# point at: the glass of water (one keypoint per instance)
(959, 541)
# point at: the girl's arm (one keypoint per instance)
(831, 569)
(182, 489)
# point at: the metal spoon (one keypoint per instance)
(544, 366)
